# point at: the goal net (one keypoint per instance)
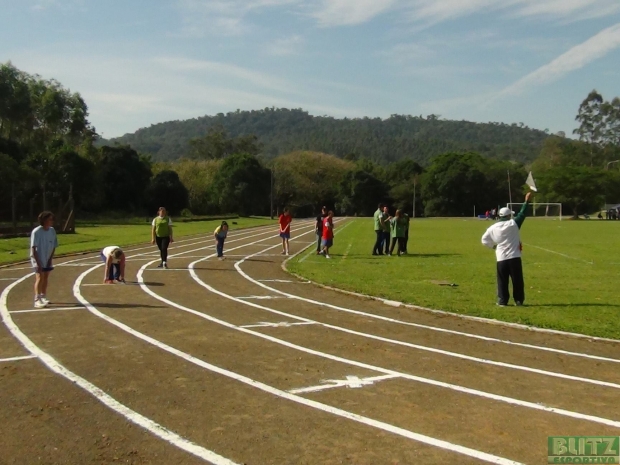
(552, 211)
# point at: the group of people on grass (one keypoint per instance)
(390, 231)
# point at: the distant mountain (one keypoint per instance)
(282, 131)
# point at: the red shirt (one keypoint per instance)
(328, 224)
(285, 223)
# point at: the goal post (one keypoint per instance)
(552, 211)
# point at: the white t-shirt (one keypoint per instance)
(504, 234)
(108, 251)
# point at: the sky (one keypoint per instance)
(142, 62)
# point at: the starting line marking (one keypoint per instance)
(263, 297)
(561, 254)
(52, 309)
(283, 324)
(352, 382)
(15, 359)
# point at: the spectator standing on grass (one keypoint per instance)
(43, 243)
(328, 233)
(285, 230)
(398, 225)
(220, 234)
(114, 259)
(378, 219)
(318, 229)
(504, 236)
(161, 233)
(408, 221)
(387, 229)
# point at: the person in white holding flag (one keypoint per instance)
(504, 236)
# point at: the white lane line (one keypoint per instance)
(346, 252)
(432, 349)
(292, 397)
(561, 254)
(282, 324)
(277, 280)
(9, 279)
(417, 325)
(350, 382)
(48, 309)
(487, 395)
(131, 415)
(15, 359)
(263, 297)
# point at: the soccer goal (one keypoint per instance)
(552, 211)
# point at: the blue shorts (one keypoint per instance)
(44, 269)
(285, 235)
(327, 242)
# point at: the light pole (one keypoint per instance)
(271, 193)
(607, 167)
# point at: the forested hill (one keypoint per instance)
(382, 140)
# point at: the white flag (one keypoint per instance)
(530, 182)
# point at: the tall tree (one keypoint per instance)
(125, 176)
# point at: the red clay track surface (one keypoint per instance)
(237, 362)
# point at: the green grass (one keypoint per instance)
(95, 237)
(577, 291)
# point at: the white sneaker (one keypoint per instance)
(220, 258)
(44, 299)
(282, 253)
(166, 265)
(287, 252)
(327, 256)
(39, 304)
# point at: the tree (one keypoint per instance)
(579, 188)
(307, 180)
(242, 185)
(360, 191)
(454, 183)
(166, 189)
(403, 177)
(216, 145)
(125, 176)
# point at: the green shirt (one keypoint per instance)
(399, 225)
(386, 223)
(162, 226)
(377, 218)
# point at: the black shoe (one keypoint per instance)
(161, 265)
(518, 303)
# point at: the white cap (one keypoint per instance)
(506, 212)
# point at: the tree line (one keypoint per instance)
(48, 148)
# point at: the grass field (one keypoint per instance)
(571, 268)
(95, 237)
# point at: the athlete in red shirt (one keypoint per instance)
(328, 233)
(285, 229)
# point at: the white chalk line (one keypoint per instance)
(346, 252)
(131, 415)
(16, 359)
(277, 392)
(457, 388)
(355, 363)
(369, 381)
(561, 254)
(48, 309)
(416, 325)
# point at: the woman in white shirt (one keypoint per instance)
(114, 259)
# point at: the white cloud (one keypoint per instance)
(286, 46)
(577, 57)
(349, 12)
(221, 17)
(433, 11)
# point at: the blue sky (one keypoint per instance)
(140, 62)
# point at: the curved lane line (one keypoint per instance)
(417, 325)
(277, 392)
(453, 387)
(131, 415)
